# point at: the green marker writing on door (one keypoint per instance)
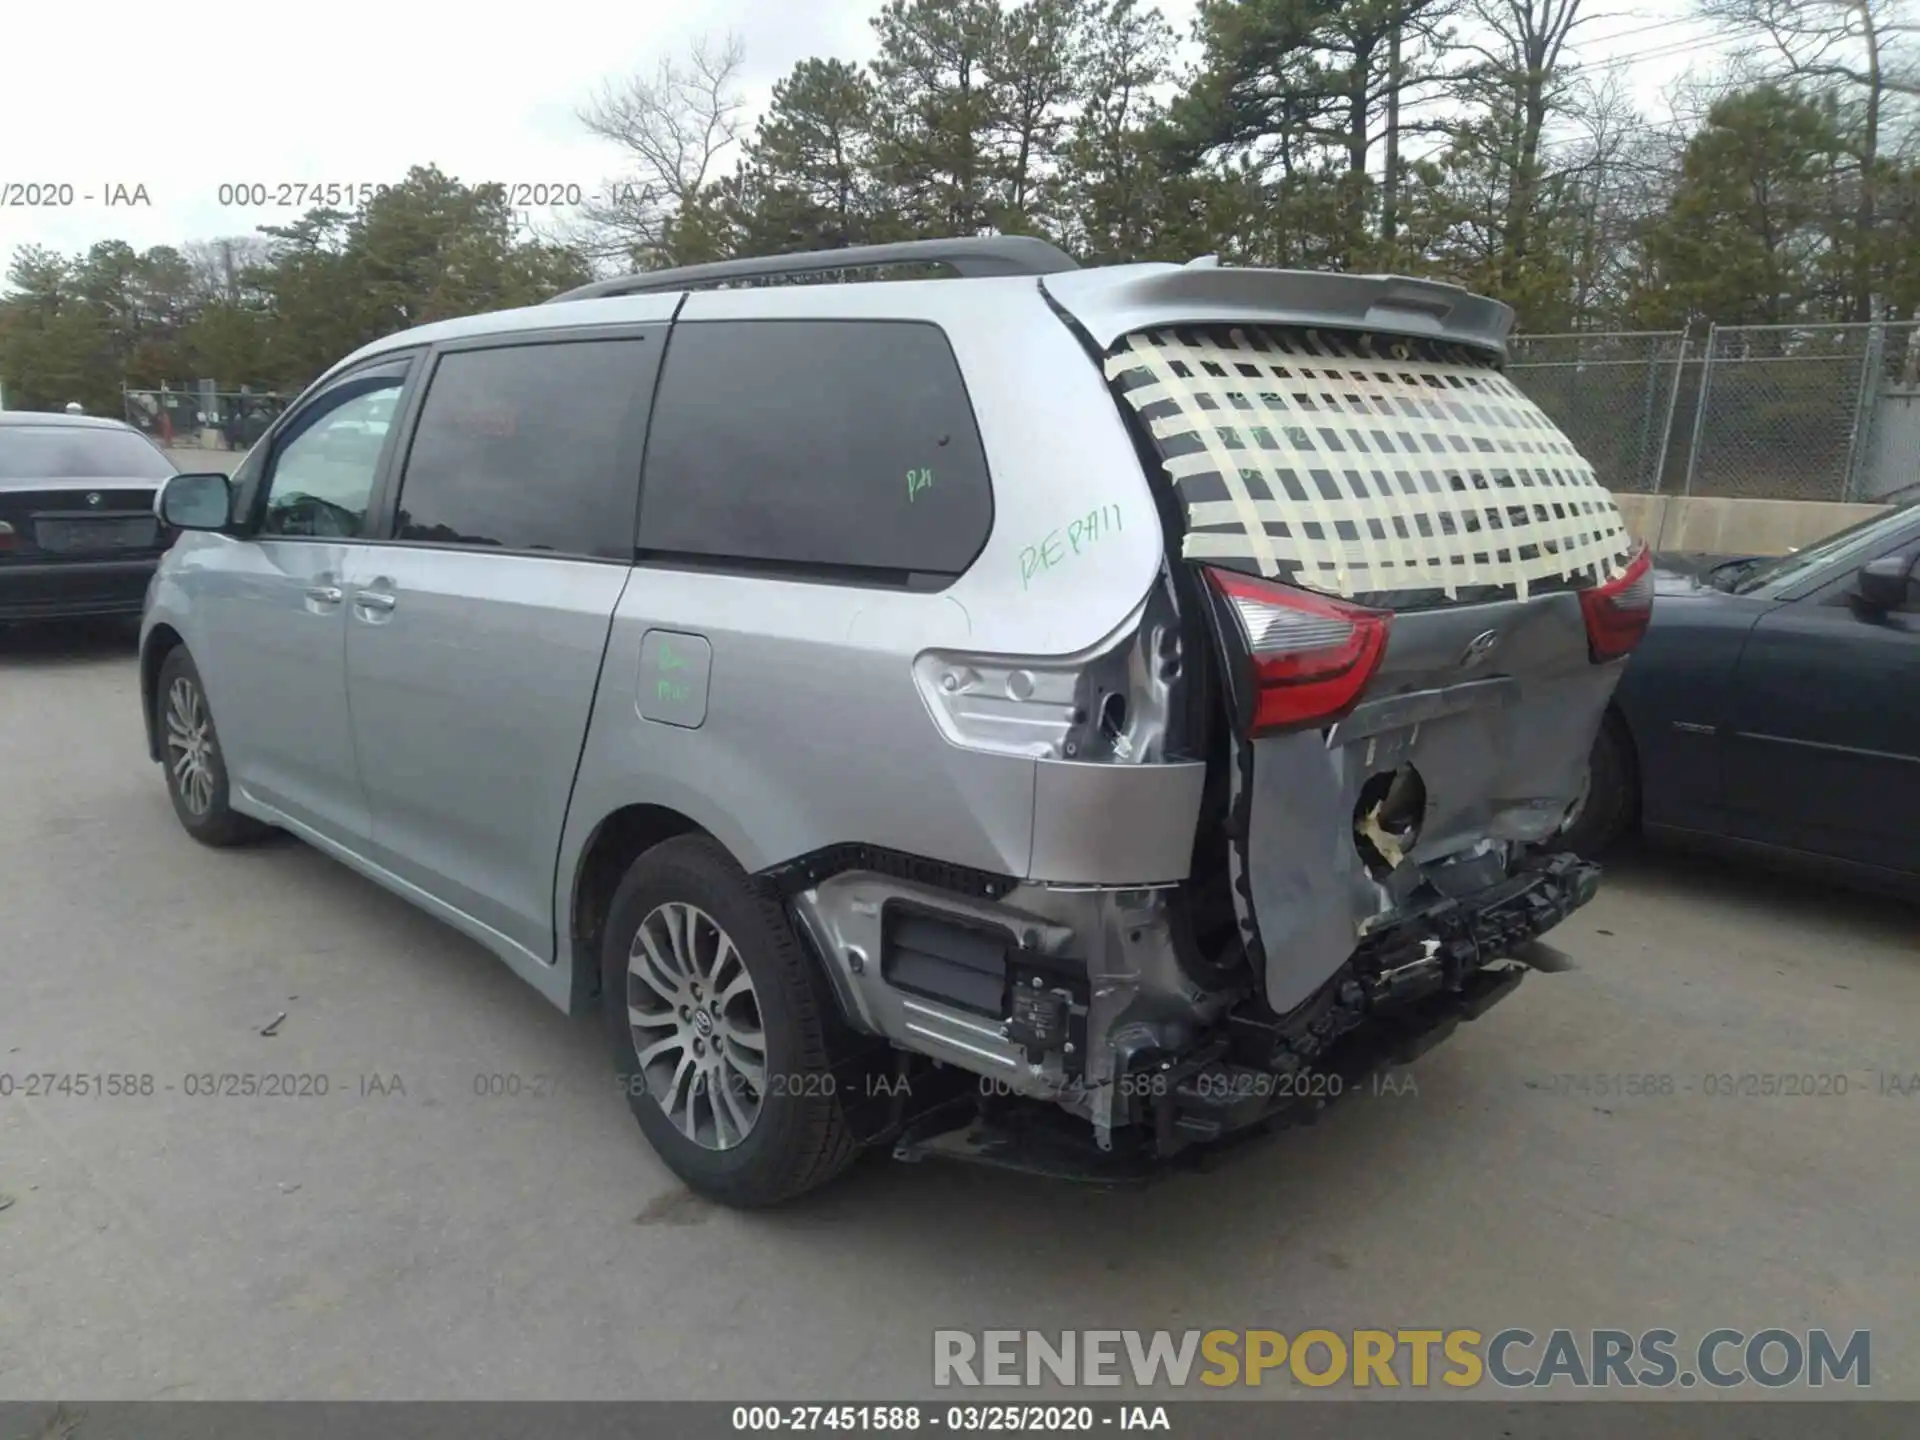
(918, 480)
(669, 660)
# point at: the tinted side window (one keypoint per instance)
(846, 443)
(531, 447)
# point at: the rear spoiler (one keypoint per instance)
(1118, 300)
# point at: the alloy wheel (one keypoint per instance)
(696, 1025)
(190, 746)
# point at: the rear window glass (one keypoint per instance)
(1377, 468)
(77, 452)
(815, 444)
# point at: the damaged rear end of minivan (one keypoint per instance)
(1394, 606)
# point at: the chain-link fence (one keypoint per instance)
(1788, 411)
(203, 416)
(1612, 393)
(1776, 412)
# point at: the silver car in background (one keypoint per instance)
(1066, 718)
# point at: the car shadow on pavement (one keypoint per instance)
(45, 643)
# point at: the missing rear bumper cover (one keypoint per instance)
(1402, 993)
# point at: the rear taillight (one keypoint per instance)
(1618, 611)
(1311, 656)
(6, 536)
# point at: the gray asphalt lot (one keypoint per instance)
(404, 1236)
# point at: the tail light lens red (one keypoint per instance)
(1311, 656)
(1618, 612)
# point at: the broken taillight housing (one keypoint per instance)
(1311, 655)
(1618, 611)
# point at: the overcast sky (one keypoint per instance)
(180, 100)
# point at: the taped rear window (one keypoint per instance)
(1362, 465)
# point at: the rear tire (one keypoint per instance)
(192, 759)
(1611, 805)
(752, 1119)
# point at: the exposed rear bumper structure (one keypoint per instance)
(1167, 1094)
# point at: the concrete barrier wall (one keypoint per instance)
(1735, 527)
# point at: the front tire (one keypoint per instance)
(1610, 804)
(720, 1028)
(190, 754)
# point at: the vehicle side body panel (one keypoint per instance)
(271, 649)
(470, 693)
(1676, 698)
(810, 682)
(1781, 718)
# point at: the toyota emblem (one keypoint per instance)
(1479, 648)
(93, 498)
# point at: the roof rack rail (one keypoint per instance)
(971, 256)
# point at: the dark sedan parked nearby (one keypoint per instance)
(77, 529)
(1775, 702)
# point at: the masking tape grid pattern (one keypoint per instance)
(1355, 464)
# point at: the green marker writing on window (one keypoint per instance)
(918, 480)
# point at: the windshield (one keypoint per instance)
(1801, 563)
(76, 452)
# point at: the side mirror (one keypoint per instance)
(1885, 584)
(195, 502)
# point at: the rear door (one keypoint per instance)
(477, 624)
(1394, 543)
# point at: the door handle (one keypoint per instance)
(373, 604)
(325, 594)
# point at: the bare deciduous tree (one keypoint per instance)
(678, 126)
(1525, 78)
(1852, 47)
(218, 266)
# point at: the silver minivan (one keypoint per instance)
(1067, 718)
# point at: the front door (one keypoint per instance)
(274, 608)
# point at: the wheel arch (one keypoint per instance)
(1615, 719)
(161, 642)
(621, 837)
